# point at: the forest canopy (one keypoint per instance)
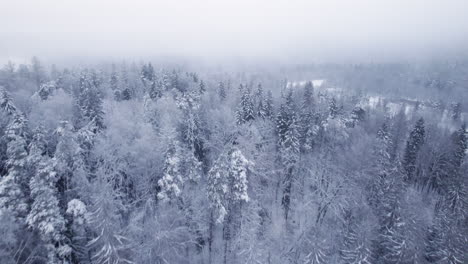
(147, 162)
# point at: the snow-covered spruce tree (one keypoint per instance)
(126, 93)
(455, 191)
(114, 81)
(227, 191)
(308, 248)
(353, 250)
(398, 131)
(114, 84)
(14, 187)
(246, 110)
(446, 238)
(333, 109)
(147, 75)
(6, 103)
(307, 121)
(45, 215)
(90, 101)
(460, 145)
(109, 245)
(77, 220)
(317, 255)
(155, 89)
(390, 243)
(222, 91)
(192, 133)
(268, 105)
(127, 90)
(175, 81)
(86, 137)
(164, 82)
(37, 147)
(444, 242)
(308, 100)
(285, 117)
(96, 77)
(170, 184)
(259, 102)
(259, 92)
(413, 145)
(47, 89)
(288, 146)
(72, 183)
(190, 128)
(227, 182)
(261, 110)
(202, 87)
(68, 154)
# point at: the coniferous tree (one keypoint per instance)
(127, 91)
(307, 122)
(259, 98)
(170, 184)
(192, 132)
(398, 131)
(333, 109)
(77, 221)
(317, 255)
(288, 145)
(227, 191)
(202, 87)
(147, 74)
(14, 187)
(37, 147)
(72, 183)
(45, 215)
(47, 89)
(6, 103)
(245, 111)
(109, 245)
(460, 143)
(353, 251)
(413, 145)
(222, 91)
(114, 81)
(155, 89)
(308, 95)
(227, 182)
(455, 182)
(444, 242)
(268, 105)
(90, 101)
(114, 84)
(390, 243)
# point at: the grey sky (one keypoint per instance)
(318, 30)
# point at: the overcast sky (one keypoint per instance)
(313, 29)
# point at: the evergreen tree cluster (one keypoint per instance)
(147, 163)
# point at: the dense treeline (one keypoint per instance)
(129, 163)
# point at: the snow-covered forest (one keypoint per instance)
(147, 162)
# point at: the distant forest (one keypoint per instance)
(146, 162)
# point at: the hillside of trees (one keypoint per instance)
(136, 162)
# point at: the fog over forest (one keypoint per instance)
(230, 132)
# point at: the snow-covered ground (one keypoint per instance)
(394, 106)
